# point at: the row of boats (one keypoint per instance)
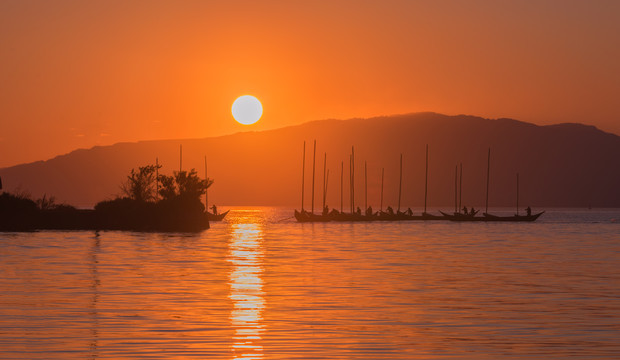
(370, 216)
(337, 216)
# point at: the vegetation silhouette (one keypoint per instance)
(144, 205)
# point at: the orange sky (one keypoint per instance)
(83, 73)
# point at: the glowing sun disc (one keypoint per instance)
(247, 109)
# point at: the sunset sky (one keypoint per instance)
(75, 74)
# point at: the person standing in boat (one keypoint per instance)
(465, 210)
(214, 208)
(528, 210)
(369, 211)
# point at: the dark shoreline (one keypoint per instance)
(176, 215)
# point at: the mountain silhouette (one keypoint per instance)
(565, 165)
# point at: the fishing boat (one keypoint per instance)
(425, 215)
(304, 216)
(462, 217)
(515, 217)
(216, 217)
(486, 217)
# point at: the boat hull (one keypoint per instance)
(491, 218)
(514, 218)
(217, 217)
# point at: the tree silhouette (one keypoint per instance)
(140, 185)
(183, 184)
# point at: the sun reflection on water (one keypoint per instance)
(246, 288)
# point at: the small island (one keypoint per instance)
(148, 202)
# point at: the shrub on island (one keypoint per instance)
(148, 203)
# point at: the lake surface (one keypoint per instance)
(260, 286)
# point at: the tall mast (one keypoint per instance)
(517, 193)
(400, 184)
(324, 179)
(461, 187)
(426, 180)
(365, 186)
(382, 173)
(351, 182)
(303, 177)
(180, 158)
(341, 184)
(326, 186)
(455, 189)
(313, 163)
(488, 172)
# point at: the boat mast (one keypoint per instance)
(400, 184)
(461, 187)
(156, 179)
(382, 173)
(517, 193)
(341, 184)
(324, 179)
(326, 185)
(313, 165)
(488, 172)
(180, 158)
(303, 177)
(426, 180)
(351, 182)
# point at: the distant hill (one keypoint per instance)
(570, 165)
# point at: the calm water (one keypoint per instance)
(260, 286)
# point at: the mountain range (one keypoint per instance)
(564, 165)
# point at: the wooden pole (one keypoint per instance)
(303, 177)
(461, 187)
(324, 179)
(488, 172)
(313, 165)
(341, 184)
(351, 182)
(382, 176)
(426, 180)
(326, 185)
(517, 193)
(400, 184)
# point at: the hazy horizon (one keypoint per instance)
(250, 130)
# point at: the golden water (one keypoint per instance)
(260, 286)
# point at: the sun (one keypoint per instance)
(247, 109)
